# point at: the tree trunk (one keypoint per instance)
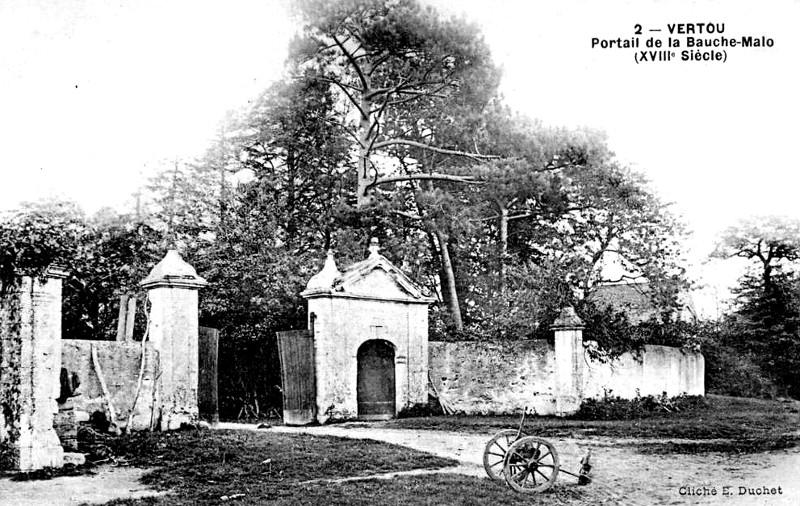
(291, 168)
(366, 133)
(503, 248)
(449, 281)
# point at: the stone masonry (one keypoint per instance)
(30, 366)
(371, 300)
(173, 292)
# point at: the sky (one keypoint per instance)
(95, 95)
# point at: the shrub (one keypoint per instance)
(616, 408)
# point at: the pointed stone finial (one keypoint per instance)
(324, 279)
(173, 271)
(374, 248)
(567, 320)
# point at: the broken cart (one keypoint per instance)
(527, 463)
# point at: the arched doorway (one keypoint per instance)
(376, 381)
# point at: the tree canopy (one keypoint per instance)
(386, 124)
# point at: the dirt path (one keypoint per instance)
(622, 475)
(107, 484)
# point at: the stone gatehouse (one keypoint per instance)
(370, 333)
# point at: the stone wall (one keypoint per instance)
(656, 370)
(502, 377)
(120, 363)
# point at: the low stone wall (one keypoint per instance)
(501, 377)
(119, 363)
(505, 377)
(657, 370)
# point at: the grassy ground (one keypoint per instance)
(749, 425)
(239, 467)
(416, 490)
(244, 467)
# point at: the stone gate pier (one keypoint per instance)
(30, 362)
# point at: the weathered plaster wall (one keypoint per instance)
(660, 369)
(341, 325)
(499, 377)
(120, 362)
(481, 377)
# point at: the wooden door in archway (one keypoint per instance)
(376, 380)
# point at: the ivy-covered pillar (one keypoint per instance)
(172, 288)
(568, 330)
(30, 367)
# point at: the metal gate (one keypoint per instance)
(376, 382)
(296, 350)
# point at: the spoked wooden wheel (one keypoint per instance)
(495, 453)
(531, 465)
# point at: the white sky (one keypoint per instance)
(95, 94)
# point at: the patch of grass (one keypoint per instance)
(434, 489)
(716, 418)
(731, 446)
(202, 466)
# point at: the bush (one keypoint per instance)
(730, 372)
(617, 408)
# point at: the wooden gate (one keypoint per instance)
(296, 349)
(207, 393)
(376, 382)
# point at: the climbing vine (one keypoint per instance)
(10, 349)
(32, 242)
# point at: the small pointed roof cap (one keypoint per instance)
(567, 320)
(323, 280)
(173, 271)
(374, 248)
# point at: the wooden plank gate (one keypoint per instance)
(207, 392)
(296, 350)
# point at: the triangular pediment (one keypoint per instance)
(378, 282)
(373, 278)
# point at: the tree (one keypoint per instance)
(38, 236)
(771, 240)
(105, 256)
(766, 323)
(297, 154)
(382, 56)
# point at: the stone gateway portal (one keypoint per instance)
(369, 324)
(376, 380)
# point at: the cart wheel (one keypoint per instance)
(495, 452)
(531, 465)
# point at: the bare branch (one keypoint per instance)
(406, 142)
(430, 177)
(354, 63)
(408, 215)
(349, 96)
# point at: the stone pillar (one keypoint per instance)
(30, 368)
(172, 288)
(568, 330)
